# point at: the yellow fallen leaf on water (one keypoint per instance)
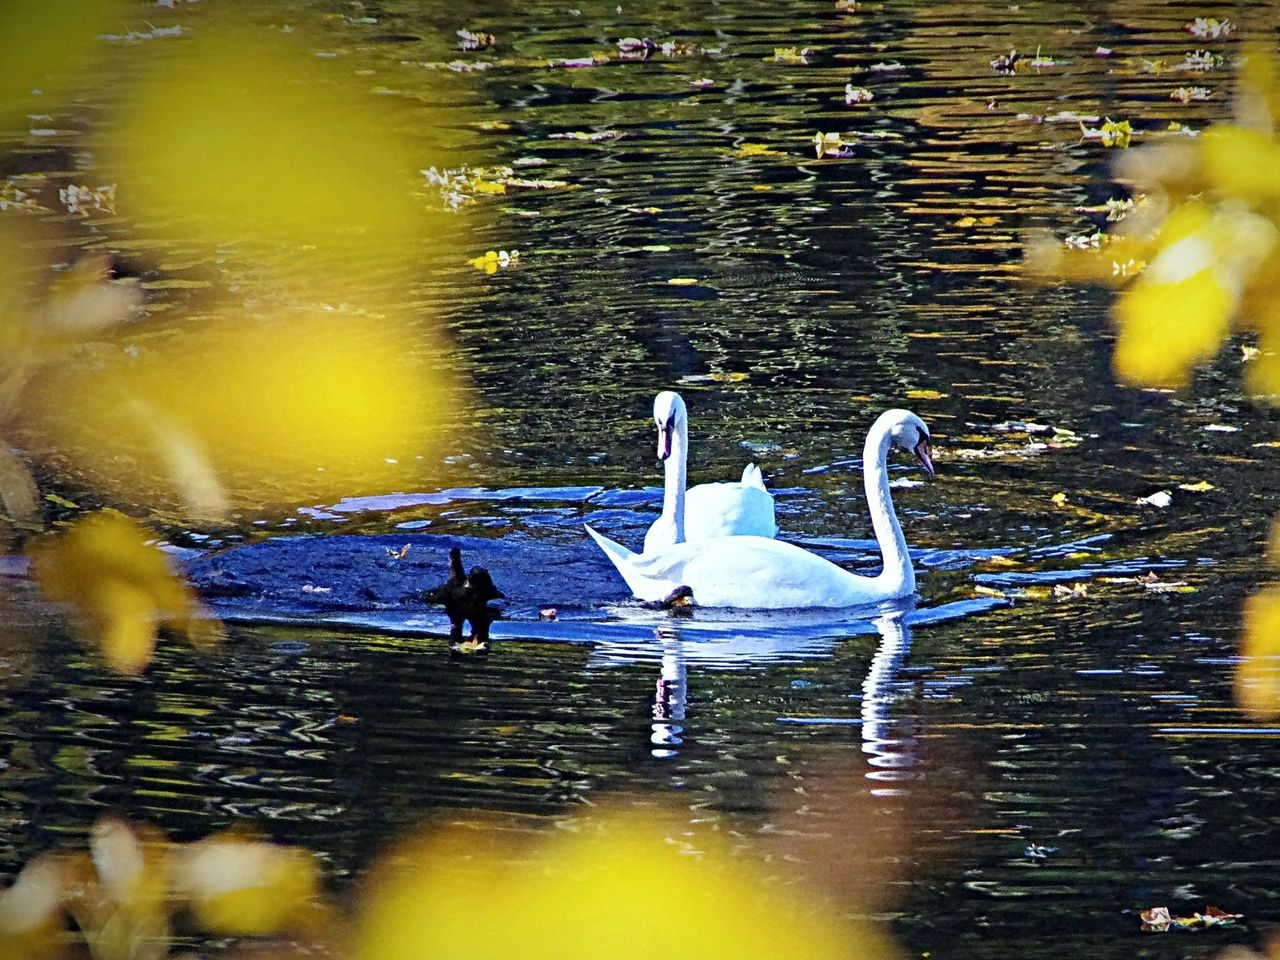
(121, 589)
(925, 395)
(757, 150)
(1059, 499)
(493, 260)
(1202, 486)
(682, 281)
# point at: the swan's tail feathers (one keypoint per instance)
(619, 555)
(630, 565)
(752, 477)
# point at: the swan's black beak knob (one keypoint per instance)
(922, 454)
(664, 440)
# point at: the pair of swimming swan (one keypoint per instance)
(716, 539)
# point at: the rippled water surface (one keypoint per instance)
(1021, 769)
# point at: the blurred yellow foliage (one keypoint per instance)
(1258, 676)
(238, 885)
(243, 136)
(1200, 258)
(121, 589)
(31, 911)
(42, 45)
(299, 404)
(1207, 238)
(620, 888)
(312, 375)
(123, 892)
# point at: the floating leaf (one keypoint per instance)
(1209, 28)
(1188, 94)
(1059, 499)
(469, 40)
(793, 55)
(831, 145)
(682, 281)
(491, 261)
(1201, 486)
(1112, 133)
(588, 136)
(757, 150)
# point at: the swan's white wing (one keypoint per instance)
(661, 533)
(752, 477)
(728, 509)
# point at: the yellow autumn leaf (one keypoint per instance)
(242, 135)
(300, 404)
(590, 894)
(1059, 499)
(1201, 486)
(1241, 163)
(246, 887)
(121, 589)
(925, 395)
(1257, 682)
(1176, 313)
(40, 40)
(682, 281)
(757, 150)
(32, 913)
(119, 891)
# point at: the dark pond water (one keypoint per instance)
(1021, 772)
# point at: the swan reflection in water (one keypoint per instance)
(670, 697)
(890, 753)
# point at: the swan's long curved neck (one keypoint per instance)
(674, 478)
(897, 574)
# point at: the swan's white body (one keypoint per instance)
(760, 573)
(708, 510)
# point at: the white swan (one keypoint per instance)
(759, 573)
(709, 509)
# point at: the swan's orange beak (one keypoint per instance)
(922, 454)
(664, 440)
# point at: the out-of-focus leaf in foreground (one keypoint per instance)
(31, 912)
(243, 886)
(42, 44)
(297, 404)
(121, 589)
(606, 890)
(245, 137)
(1258, 675)
(1199, 257)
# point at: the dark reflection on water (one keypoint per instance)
(1055, 765)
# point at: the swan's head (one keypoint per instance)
(668, 415)
(908, 432)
